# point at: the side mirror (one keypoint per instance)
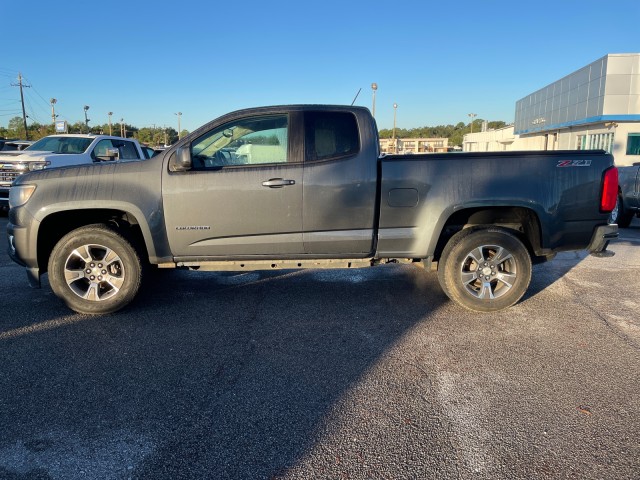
(110, 154)
(113, 153)
(181, 160)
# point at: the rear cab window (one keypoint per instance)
(330, 135)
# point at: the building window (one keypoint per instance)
(633, 144)
(598, 141)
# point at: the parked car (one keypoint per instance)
(628, 205)
(64, 150)
(149, 151)
(14, 145)
(305, 187)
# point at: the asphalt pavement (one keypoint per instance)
(326, 374)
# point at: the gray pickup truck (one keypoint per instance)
(628, 204)
(305, 187)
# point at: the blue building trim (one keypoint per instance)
(584, 121)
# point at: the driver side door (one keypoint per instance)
(242, 196)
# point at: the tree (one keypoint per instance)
(455, 133)
(16, 127)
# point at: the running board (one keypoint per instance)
(239, 265)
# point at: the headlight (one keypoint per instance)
(20, 194)
(38, 165)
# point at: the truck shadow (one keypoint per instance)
(546, 274)
(286, 347)
(207, 375)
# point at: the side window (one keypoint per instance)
(148, 152)
(127, 150)
(633, 144)
(249, 141)
(100, 150)
(330, 135)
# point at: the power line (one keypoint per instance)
(44, 101)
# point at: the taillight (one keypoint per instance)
(609, 190)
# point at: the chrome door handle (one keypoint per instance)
(277, 183)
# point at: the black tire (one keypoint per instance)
(621, 216)
(95, 270)
(485, 269)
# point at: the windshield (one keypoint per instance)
(62, 144)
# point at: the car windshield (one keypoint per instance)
(62, 144)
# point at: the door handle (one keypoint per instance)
(277, 183)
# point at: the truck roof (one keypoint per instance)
(88, 135)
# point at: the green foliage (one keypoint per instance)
(168, 136)
(15, 129)
(157, 136)
(455, 133)
(149, 136)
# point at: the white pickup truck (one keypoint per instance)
(63, 150)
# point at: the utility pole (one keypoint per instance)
(24, 114)
(110, 113)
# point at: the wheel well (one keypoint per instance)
(523, 221)
(57, 225)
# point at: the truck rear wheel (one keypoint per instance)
(94, 270)
(485, 269)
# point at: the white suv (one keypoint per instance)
(62, 150)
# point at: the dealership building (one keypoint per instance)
(596, 107)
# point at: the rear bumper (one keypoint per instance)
(602, 235)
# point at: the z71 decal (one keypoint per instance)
(574, 163)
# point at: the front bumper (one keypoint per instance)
(602, 235)
(4, 196)
(23, 251)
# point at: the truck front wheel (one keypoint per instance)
(94, 270)
(485, 269)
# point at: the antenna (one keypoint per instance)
(356, 97)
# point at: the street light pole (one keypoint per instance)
(53, 111)
(86, 120)
(179, 114)
(110, 113)
(374, 87)
(472, 115)
(393, 137)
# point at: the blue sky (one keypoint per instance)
(438, 61)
